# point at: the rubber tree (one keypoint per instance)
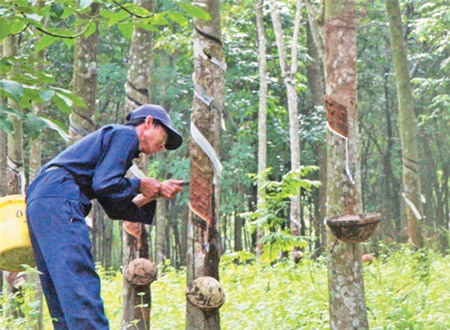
(345, 274)
(136, 235)
(412, 193)
(316, 86)
(84, 80)
(207, 108)
(262, 111)
(16, 171)
(35, 163)
(316, 71)
(288, 71)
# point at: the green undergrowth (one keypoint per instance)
(405, 290)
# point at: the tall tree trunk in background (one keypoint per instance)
(262, 112)
(316, 19)
(391, 203)
(209, 82)
(82, 120)
(16, 171)
(345, 274)
(35, 164)
(161, 229)
(161, 223)
(84, 81)
(412, 193)
(288, 72)
(136, 236)
(317, 88)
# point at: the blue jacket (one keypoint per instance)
(98, 164)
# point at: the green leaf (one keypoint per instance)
(159, 19)
(12, 88)
(57, 127)
(45, 42)
(67, 12)
(69, 42)
(62, 102)
(117, 17)
(46, 95)
(78, 101)
(91, 29)
(137, 10)
(33, 125)
(17, 27)
(147, 26)
(5, 124)
(85, 3)
(126, 29)
(195, 11)
(4, 28)
(178, 18)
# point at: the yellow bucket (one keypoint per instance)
(15, 244)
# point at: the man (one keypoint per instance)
(59, 199)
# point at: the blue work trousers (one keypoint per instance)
(62, 248)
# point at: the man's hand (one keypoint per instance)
(140, 200)
(170, 188)
(150, 188)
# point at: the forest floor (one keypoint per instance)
(404, 290)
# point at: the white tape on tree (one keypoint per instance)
(413, 208)
(206, 147)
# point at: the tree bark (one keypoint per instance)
(412, 193)
(137, 299)
(345, 275)
(84, 82)
(317, 88)
(161, 229)
(16, 172)
(262, 112)
(288, 73)
(209, 82)
(35, 164)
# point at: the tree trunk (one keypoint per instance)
(412, 193)
(262, 113)
(183, 233)
(316, 19)
(35, 166)
(238, 221)
(316, 86)
(82, 119)
(16, 172)
(161, 230)
(289, 73)
(345, 275)
(84, 82)
(137, 299)
(209, 82)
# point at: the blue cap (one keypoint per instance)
(174, 139)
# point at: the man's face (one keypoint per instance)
(152, 138)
